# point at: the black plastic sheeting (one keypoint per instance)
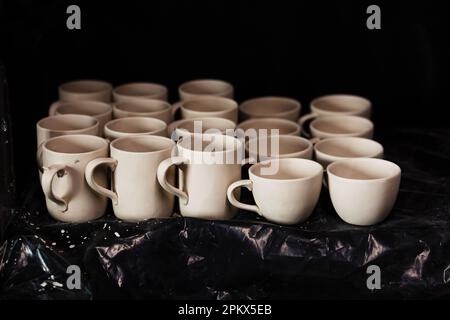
(246, 258)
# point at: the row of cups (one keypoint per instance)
(204, 172)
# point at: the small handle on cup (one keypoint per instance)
(230, 195)
(52, 109)
(175, 107)
(89, 174)
(47, 182)
(162, 171)
(302, 121)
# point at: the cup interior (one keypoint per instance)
(349, 147)
(67, 122)
(206, 87)
(342, 125)
(277, 145)
(209, 104)
(283, 126)
(75, 144)
(90, 108)
(209, 143)
(85, 86)
(206, 124)
(140, 89)
(136, 125)
(341, 103)
(142, 144)
(143, 106)
(269, 106)
(363, 169)
(287, 169)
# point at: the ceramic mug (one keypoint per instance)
(144, 108)
(341, 126)
(82, 90)
(135, 126)
(207, 107)
(268, 126)
(363, 190)
(136, 194)
(188, 127)
(270, 107)
(288, 195)
(68, 196)
(207, 165)
(139, 90)
(100, 110)
(59, 125)
(334, 149)
(208, 87)
(278, 147)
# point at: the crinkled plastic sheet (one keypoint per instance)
(247, 257)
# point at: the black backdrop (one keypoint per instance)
(300, 49)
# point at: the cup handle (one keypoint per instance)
(162, 171)
(52, 109)
(39, 151)
(230, 195)
(302, 121)
(48, 175)
(89, 174)
(175, 107)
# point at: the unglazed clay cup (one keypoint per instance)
(334, 149)
(206, 87)
(278, 147)
(254, 128)
(207, 107)
(81, 90)
(270, 107)
(135, 126)
(363, 190)
(207, 165)
(144, 108)
(139, 90)
(288, 195)
(102, 111)
(341, 126)
(68, 196)
(135, 193)
(188, 127)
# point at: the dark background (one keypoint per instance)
(301, 49)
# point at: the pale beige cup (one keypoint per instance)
(67, 195)
(207, 107)
(341, 126)
(102, 111)
(81, 90)
(207, 165)
(59, 125)
(270, 107)
(334, 149)
(139, 90)
(144, 108)
(208, 87)
(363, 190)
(288, 196)
(136, 194)
(188, 127)
(135, 126)
(278, 147)
(268, 126)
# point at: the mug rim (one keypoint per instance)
(107, 85)
(367, 103)
(309, 177)
(83, 137)
(175, 124)
(118, 89)
(272, 120)
(62, 104)
(365, 140)
(337, 117)
(230, 105)
(138, 100)
(296, 108)
(113, 144)
(70, 115)
(284, 136)
(229, 87)
(131, 119)
(236, 147)
(394, 175)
